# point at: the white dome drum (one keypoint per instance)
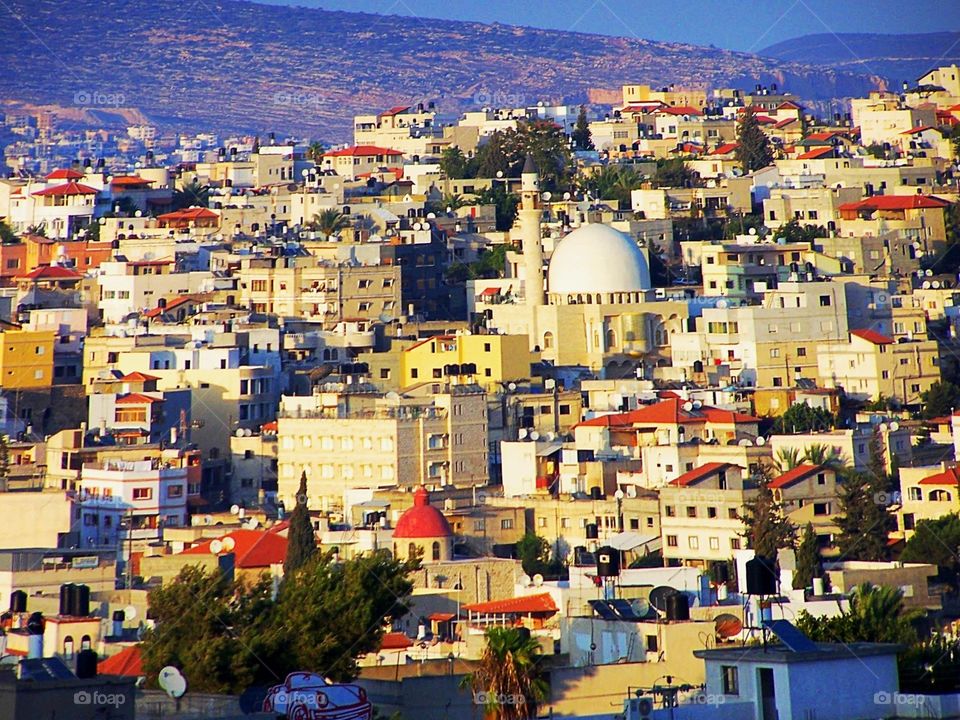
(596, 258)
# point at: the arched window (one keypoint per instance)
(411, 550)
(611, 338)
(547, 340)
(85, 642)
(436, 550)
(68, 647)
(940, 496)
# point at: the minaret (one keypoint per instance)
(530, 215)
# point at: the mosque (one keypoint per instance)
(597, 308)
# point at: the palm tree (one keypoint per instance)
(192, 194)
(508, 681)
(821, 454)
(454, 201)
(880, 615)
(787, 459)
(315, 151)
(330, 222)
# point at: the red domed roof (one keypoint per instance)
(422, 520)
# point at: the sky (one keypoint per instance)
(747, 25)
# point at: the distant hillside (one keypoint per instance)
(236, 65)
(897, 58)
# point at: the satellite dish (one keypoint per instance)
(727, 625)
(522, 434)
(936, 284)
(534, 435)
(550, 436)
(894, 426)
(234, 509)
(926, 285)
(512, 386)
(216, 547)
(752, 231)
(640, 607)
(722, 304)
(688, 406)
(761, 441)
(538, 580)
(882, 427)
(525, 580)
(546, 196)
(929, 272)
(697, 404)
(744, 443)
(392, 395)
(631, 491)
(228, 543)
(252, 524)
(239, 432)
(172, 681)
(659, 595)
(129, 613)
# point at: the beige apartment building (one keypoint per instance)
(365, 440)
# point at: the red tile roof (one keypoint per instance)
(395, 641)
(362, 151)
(787, 105)
(784, 123)
(51, 272)
(137, 376)
(897, 202)
(724, 149)
(396, 110)
(800, 472)
(523, 605)
(873, 336)
(917, 130)
(127, 663)
(194, 213)
(137, 399)
(816, 153)
(67, 188)
(679, 110)
(697, 474)
(64, 174)
(171, 304)
(130, 181)
(252, 548)
(669, 411)
(822, 136)
(950, 477)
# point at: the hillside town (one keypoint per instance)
(638, 410)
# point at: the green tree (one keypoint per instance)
(582, 139)
(673, 173)
(940, 399)
(793, 231)
(193, 194)
(742, 225)
(931, 667)
(492, 157)
(613, 182)
(753, 146)
(864, 519)
(315, 151)
(7, 235)
(787, 458)
(549, 147)
(301, 540)
(935, 541)
(505, 204)
(876, 614)
(454, 164)
(330, 222)
(766, 530)
(534, 553)
(508, 679)
(808, 560)
(822, 454)
(801, 418)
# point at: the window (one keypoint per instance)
(711, 512)
(714, 543)
(735, 543)
(506, 524)
(694, 542)
(914, 493)
(821, 508)
(774, 352)
(669, 511)
(142, 493)
(825, 301)
(671, 541)
(175, 491)
(730, 678)
(436, 550)
(651, 642)
(778, 382)
(691, 511)
(801, 352)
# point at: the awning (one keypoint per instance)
(490, 291)
(629, 540)
(548, 449)
(441, 617)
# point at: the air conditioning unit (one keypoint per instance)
(640, 708)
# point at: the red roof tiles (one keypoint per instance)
(697, 474)
(820, 152)
(800, 472)
(527, 604)
(65, 174)
(949, 477)
(51, 272)
(872, 336)
(251, 549)
(127, 663)
(362, 151)
(669, 411)
(194, 213)
(67, 188)
(137, 399)
(897, 202)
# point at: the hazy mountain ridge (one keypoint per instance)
(232, 64)
(896, 58)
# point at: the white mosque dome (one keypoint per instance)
(595, 258)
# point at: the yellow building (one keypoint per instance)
(926, 493)
(487, 360)
(26, 359)
(673, 96)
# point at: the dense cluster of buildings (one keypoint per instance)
(183, 338)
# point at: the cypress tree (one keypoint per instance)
(301, 541)
(753, 147)
(808, 560)
(582, 139)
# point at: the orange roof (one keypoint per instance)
(362, 151)
(194, 213)
(724, 149)
(872, 336)
(822, 136)
(64, 174)
(697, 474)
(816, 153)
(127, 663)
(137, 399)
(669, 411)
(138, 376)
(252, 548)
(395, 641)
(784, 123)
(171, 304)
(396, 110)
(917, 130)
(950, 476)
(526, 604)
(897, 202)
(67, 188)
(130, 180)
(796, 474)
(679, 110)
(51, 272)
